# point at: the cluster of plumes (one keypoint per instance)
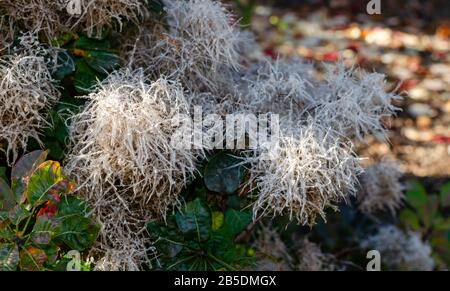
(121, 153)
(122, 157)
(313, 166)
(273, 255)
(34, 15)
(304, 173)
(400, 250)
(26, 92)
(282, 87)
(98, 15)
(271, 251)
(52, 17)
(381, 188)
(354, 102)
(311, 258)
(200, 47)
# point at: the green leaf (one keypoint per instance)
(9, 257)
(3, 174)
(85, 79)
(65, 65)
(417, 196)
(75, 229)
(61, 40)
(55, 150)
(71, 205)
(441, 224)
(156, 6)
(18, 214)
(77, 232)
(166, 236)
(168, 230)
(52, 252)
(45, 181)
(32, 259)
(22, 170)
(235, 202)
(217, 220)
(195, 220)
(7, 198)
(87, 43)
(409, 218)
(101, 61)
(431, 210)
(236, 221)
(223, 173)
(4, 216)
(6, 233)
(444, 195)
(43, 230)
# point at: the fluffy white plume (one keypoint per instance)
(400, 250)
(122, 157)
(353, 102)
(303, 174)
(281, 87)
(26, 92)
(200, 47)
(381, 188)
(52, 17)
(311, 258)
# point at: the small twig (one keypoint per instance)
(246, 232)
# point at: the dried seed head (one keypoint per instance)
(354, 102)
(124, 136)
(98, 15)
(122, 157)
(26, 92)
(381, 188)
(35, 15)
(280, 87)
(272, 252)
(302, 175)
(311, 258)
(123, 243)
(200, 48)
(53, 17)
(401, 250)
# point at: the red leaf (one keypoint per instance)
(330, 57)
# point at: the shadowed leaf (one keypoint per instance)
(23, 169)
(9, 257)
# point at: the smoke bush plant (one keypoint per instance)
(122, 156)
(309, 170)
(281, 87)
(26, 91)
(381, 188)
(200, 47)
(51, 17)
(311, 258)
(99, 15)
(192, 53)
(401, 250)
(35, 15)
(354, 102)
